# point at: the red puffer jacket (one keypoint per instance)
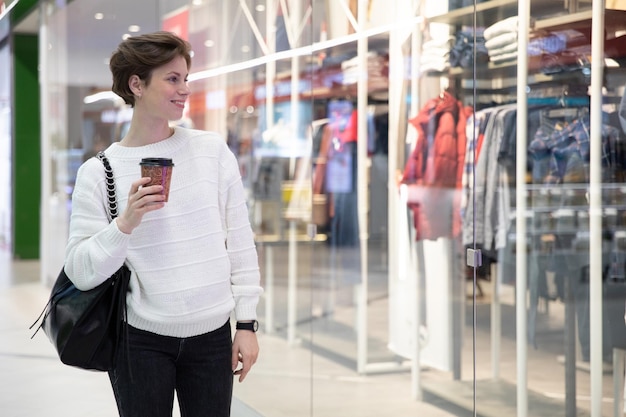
(435, 168)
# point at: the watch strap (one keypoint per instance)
(253, 325)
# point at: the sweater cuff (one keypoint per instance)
(245, 309)
(119, 240)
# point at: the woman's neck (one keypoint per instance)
(141, 134)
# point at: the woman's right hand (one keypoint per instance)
(141, 200)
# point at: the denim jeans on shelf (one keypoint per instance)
(197, 368)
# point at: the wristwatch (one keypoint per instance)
(248, 325)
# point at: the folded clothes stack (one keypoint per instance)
(469, 42)
(376, 68)
(435, 56)
(501, 40)
(548, 51)
(557, 51)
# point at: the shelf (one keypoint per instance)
(492, 11)
(545, 14)
(549, 15)
(502, 79)
(613, 19)
(488, 71)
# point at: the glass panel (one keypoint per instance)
(556, 191)
(252, 106)
(55, 150)
(481, 71)
(6, 149)
(434, 187)
(80, 37)
(560, 195)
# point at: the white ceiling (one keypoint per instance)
(90, 42)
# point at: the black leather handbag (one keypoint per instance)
(86, 327)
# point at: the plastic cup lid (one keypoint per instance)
(157, 162)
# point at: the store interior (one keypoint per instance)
(437, 189)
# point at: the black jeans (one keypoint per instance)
(197, 368)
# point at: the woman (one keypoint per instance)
(193, 258)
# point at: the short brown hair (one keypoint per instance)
(139, 55)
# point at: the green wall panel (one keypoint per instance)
(26, 147)
(21, 9)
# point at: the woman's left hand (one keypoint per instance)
(246, 351)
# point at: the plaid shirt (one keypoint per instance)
(555, 151)
(475, 131)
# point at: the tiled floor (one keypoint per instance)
(34, 383)
(308, 379)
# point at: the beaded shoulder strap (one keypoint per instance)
(112, 199)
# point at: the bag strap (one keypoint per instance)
(112, 205)
(112, 200)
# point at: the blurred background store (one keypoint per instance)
(437, 190)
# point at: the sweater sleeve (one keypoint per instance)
(96, 248)
(245, 274)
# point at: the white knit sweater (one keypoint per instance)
(194, 260)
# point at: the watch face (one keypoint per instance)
(255, 325)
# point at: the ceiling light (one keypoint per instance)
(197, 2)
(103, 95)
(209, 43)
(98, 16)
(245, 49)
(134, 28)
(125, 36)
(260, 8)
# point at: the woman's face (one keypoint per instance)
(166, 94)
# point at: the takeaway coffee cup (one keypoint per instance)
(160, 170)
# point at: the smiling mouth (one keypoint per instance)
(179, 103)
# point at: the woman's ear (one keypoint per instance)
(136, 85)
